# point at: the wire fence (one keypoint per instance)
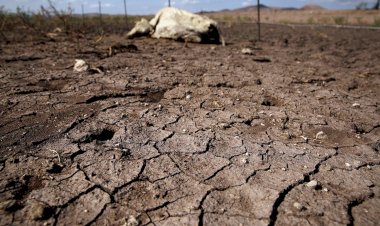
(49, 18)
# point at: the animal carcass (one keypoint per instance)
(179, 25)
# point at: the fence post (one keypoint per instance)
(100, 15)
(100, 10)
(258, 21)
(169, 4)
(125, 12)
(82, 6)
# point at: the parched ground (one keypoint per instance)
(187, 134)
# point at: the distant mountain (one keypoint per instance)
(254, 8)
(251, 8)
(312, 7)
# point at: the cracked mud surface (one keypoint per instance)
(187, 134)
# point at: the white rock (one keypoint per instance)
(80, 65)
(247, 51)
(355, 105)
(356, 164)
(312, 184)
(298, 206)
(132, 221)
(328, 168)
(320, 135)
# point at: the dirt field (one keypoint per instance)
(188, 134)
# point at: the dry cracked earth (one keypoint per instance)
(171, 133)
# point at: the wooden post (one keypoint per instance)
(100, 10)
(258, 21)
(169, 4)
(125, 12)
(82, 15)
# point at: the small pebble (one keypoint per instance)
(298, 206)
(80, 65)
(368, 183)
(38, 211)
(283, 169)
(312, 184)
(247, 51)
(132, 221)
(328, 168)
(244, 160)
(224, 125)
(320, 135)
(188, 97)
(348, 164)
(325, 189)
(356, 164)
(355, 105)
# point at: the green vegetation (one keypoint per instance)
(310, 20)
(339, 20)
(376, 22)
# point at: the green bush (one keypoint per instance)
(310, 20)
(376, 22)
(339, 20)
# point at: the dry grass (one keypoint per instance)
(330, 17)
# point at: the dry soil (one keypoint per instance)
(171, 133)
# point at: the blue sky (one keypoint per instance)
(151, 6)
